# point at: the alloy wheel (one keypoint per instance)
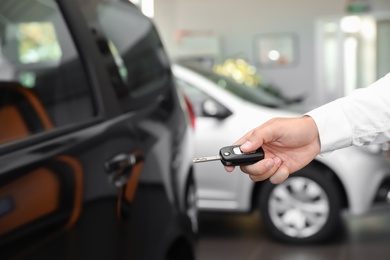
(299, 207)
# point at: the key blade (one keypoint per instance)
(206, 159)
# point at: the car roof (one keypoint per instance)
(223, 96)
(207, 86)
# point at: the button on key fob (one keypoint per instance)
(233, 156)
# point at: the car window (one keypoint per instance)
(141, 64)
(196, 96)
(42, 81)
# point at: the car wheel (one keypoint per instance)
(303, 209)
(191, 204)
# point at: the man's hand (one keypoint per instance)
(289, 144)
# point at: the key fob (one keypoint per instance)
(233, 156)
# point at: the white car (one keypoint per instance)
(307, 206)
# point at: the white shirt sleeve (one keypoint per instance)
(361, 118)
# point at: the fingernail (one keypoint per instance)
(246, 145)
(269, 164)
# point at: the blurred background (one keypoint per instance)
(306, 51)
(322, 45)
(233, 65)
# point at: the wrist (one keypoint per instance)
(313, 132)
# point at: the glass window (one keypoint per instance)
(196, 96)
(43, 85)
(142, 69)
(38, 42)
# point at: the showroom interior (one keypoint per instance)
(333, 47)
(117, 118)
(235, 29)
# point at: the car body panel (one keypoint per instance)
(100, 180)
(361, 174)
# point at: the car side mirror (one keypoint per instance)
(211, 108)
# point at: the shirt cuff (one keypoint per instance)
(333, 126)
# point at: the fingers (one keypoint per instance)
(263, 166)
(229, 168)
(280, 175)
(263, 169)
(267, 168)
(271, 168)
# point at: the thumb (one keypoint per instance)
(249, 146)
(254, 140)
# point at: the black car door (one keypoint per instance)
(89, 124)
(68, 165)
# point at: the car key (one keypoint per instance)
(233, 156)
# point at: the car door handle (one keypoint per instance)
(120, 167)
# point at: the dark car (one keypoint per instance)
(95, 139)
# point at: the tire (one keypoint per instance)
(304, 209)
(191, 204)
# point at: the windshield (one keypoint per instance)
(251, 94)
